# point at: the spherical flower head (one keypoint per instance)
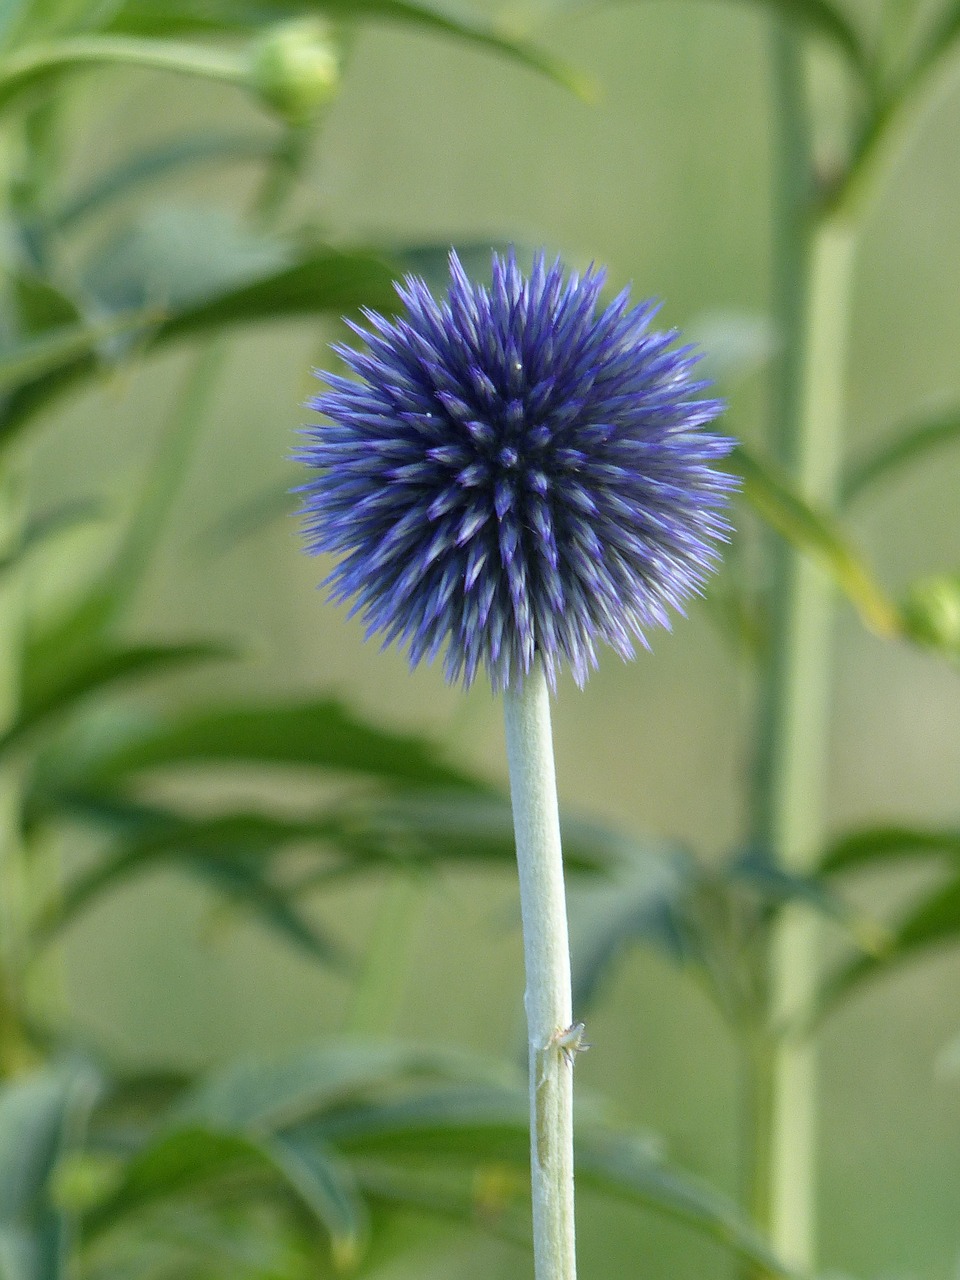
(515, 474)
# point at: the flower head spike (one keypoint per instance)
(515, 473)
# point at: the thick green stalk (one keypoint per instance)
(812, 280)
(551, 1038)
(801, 757)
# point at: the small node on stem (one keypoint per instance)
(569, 1041)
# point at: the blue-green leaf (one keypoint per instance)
(931, 924)
(819, 535)
(37, 1116)
(158, 162)
(322, 734)
(648, 902)
(317, 281)
(818, 17)
(49, 525)
(181, 17)
(908, 445)
(49, 692)
(871, 847)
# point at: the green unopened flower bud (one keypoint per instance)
(296, 69)
(932, 611)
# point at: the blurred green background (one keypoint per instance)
(666, 179)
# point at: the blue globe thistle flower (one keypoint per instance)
(514, 475)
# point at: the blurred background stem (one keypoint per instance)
(812, 286)
(377, 999)
(193, 407)
(14, 896)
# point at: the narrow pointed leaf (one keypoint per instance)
(471, 1123)
(163, 18)
(48, 355)
(778, 886)
(46, 696)
(908, 445)
(156, 163)
(819, 17)
(265, 1095)
(878, 846)
(447, 828)
(320, 281)
(649, 904)
(627, 1169)
(820, 536)
(179, 1163)
(932, 924)
(249, 886)
(37, 66)
(230, 855)
(49, 525)
(326, 1187)
(37, 1116)
(323, 734)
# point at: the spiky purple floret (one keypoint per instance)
(514, 475)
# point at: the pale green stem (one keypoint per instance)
(14, 894)
(31, 66)
(165, 477)
(800, 766)
(166, 474)
(546, 952)
(377, 999)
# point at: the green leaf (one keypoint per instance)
(229, 854)
(778, 886)
(648, 903)
(36, 360)
(248, 885)
(320, 281)
(931, 924)
(236, 851)
(40, 305)
(49, 692)
(327, 1188)
(370, 1116)
(490, 1122)
(176, 258)
(155, 163)
(451, 827)
(179, 17)
(818, 17)
(879, 846)
(820, 536)
(36, 67)
(326, 281)
(37, 1115)
(323, 734)
(626, 1168)
(179, 1163)
(266, 1094)
(910, 444)
(50, 525)
(171, 1164)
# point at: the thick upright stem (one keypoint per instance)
(812, 277)
(802, 745)
(547, 961)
